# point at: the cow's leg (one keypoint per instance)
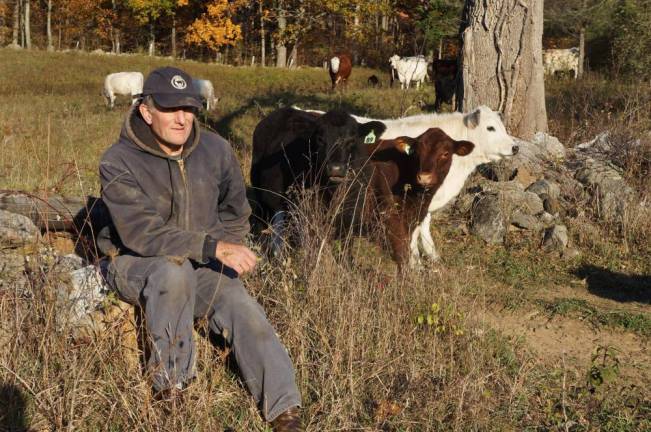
(414, 256)
(426, 239)
(398, 234)
(278, 228)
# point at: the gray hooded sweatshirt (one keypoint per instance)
(171, 206)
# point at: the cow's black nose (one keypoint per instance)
(336, 170)
(515, 150)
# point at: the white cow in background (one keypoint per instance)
(123, 83)
(556, 60)
(206, 91)
(409, 69)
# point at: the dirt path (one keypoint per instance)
(577, 340)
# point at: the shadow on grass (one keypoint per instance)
(615, 286)
(265, 104)
(12, 408)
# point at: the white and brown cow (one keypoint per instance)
(483, 127)
(339, 67)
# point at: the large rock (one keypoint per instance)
(512, 197)
(556, 238)
(531, 161)
(609, 192)
(81, 293)
(17, 229)
(525, 221)
(545, 186)
(549, 146)
(488, 221)
(600, 144)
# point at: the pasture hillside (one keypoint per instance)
(506, 337)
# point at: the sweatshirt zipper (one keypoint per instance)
(186, 210)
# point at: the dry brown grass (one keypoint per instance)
(373, 350)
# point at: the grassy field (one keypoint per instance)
(493, 338)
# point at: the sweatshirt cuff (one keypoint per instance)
(209, 248)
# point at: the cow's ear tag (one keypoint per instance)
(370, 138)
(408, 149)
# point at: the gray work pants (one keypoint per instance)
(172, 293)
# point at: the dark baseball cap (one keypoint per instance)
(171, 88)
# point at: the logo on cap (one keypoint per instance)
(178, 82)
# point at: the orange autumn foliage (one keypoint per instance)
(215, 28)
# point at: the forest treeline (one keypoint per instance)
(616, 34)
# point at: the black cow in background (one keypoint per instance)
(298, 148)
(445, 73)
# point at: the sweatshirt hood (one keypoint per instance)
(135, 129)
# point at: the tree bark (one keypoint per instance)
(281, 48)
(28, 30)
(152, 39)
(262, 37)
(173, 36)
(50, 47)
(581, 50)
(16, 27)
(501, 61)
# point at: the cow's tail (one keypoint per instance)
(334, 64)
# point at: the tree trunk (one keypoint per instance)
(501, 61)
(16, 27)
(293, 56)
(28, 31)
(281, 49)
(50, 47)
(152, 40)
(262, 37)
(174, 37)
(115, 32)
(581, 50)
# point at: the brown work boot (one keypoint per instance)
(288, 421)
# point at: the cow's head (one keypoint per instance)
(341, 142)
(393, 61)
(431, 155)
(486, 130)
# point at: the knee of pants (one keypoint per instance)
(172, 280)
(248, 318)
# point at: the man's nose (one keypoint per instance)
(179, 116)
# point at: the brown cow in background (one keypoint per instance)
(339, 67)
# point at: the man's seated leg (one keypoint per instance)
(262, 359)
(164, 287)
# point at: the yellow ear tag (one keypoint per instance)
(370, 138)
(408, 149)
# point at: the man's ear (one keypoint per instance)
(145, 113)
(463, 148)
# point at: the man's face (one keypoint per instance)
(171, 125)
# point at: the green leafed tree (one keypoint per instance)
(440, 19)
(148, 12)
(632, 37)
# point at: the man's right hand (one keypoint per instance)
(238, 257)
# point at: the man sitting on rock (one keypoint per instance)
(180, 215)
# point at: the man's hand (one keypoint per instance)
(238, 257)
